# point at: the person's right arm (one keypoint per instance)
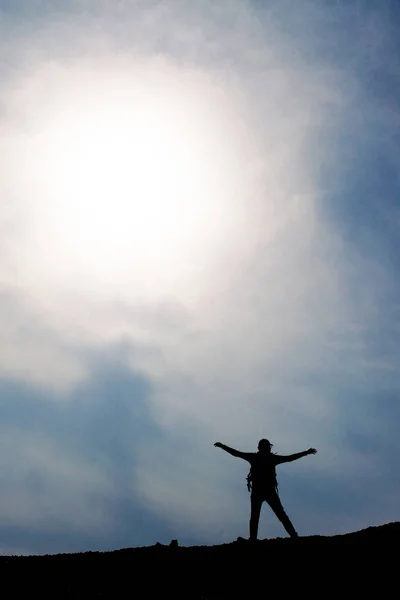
(233, 452)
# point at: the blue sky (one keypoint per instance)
(199, 242)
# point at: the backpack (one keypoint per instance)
(249, 480)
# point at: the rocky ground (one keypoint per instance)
(362, 563)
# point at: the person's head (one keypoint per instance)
(264, 446)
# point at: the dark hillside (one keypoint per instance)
(363, 562)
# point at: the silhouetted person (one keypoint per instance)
(263, 483)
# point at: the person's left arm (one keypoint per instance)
(291, 457)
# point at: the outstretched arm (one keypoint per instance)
(232, 451)
(291, 457)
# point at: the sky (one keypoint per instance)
(199, 217)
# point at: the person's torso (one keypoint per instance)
(263, 473)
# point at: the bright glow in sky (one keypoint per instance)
(199, 242)
(135, 176)
(131, 167)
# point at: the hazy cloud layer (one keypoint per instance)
(199, 241)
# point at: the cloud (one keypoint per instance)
(32, 353)
(268, 314)
(69, 468)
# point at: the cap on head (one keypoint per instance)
(264, 445)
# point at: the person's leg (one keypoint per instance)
(276, 505)
(256, 502)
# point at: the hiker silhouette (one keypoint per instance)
(262, 482)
